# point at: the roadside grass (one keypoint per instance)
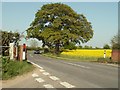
(71, 58)
(78, 58)
(12, 68)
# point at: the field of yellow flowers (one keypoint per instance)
(88, 53)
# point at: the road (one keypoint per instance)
(79, 74)
(52, 73)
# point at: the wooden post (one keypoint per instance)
(21, 53)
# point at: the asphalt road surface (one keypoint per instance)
(69, 74)
(54, 73)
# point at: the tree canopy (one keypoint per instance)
(58, 24)
(106, 46)
(6, 38)
(115, 41)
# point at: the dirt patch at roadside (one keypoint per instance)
(17, 79)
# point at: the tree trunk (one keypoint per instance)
(57, 49)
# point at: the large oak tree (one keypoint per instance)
(58, 24)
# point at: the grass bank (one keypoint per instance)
(70, 58)
(11, 68)
(78, 58)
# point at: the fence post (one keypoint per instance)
(11, 50)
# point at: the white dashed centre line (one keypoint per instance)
(78, 65)
(54, 78)
(39, 80)
(46, 73)
(48, 86)
(34, 75)
(41, 70)
(67, 85)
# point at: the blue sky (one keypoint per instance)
(102, 15)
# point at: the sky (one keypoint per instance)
(17, 16)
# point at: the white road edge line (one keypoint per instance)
(35, 75)
(54, 78)
(67, 85)
(42, 70)
(39, 80)
(46, 73)
(35, 64)
(48, 86)
(113, 65)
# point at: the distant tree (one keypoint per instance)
(116, 42)
(80, 47)
(87, 47)
(8, 37)
(58, 25)
(90, 47)
(97, 48)
(106, 46)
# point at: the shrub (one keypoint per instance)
(105, 60)
(13, 68)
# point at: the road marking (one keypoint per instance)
(42, 70)
(35, 64)
(45, 73)
(113, 65)
(39, 66)
(48, 86)
(39, 80)
(34, 75)
(67, 85)
(78, 65)
(54, 78)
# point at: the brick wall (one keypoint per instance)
(116, 55)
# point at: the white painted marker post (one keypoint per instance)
(104, 53)
(24, 51)
(11, 51)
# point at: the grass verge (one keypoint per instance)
(11, 68)
(79, 59)
(70, 58)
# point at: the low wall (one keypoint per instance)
(116, 55)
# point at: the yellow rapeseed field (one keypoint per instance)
(97, 53)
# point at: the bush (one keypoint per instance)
(106, 46)
(105, 60)
(13, 68)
